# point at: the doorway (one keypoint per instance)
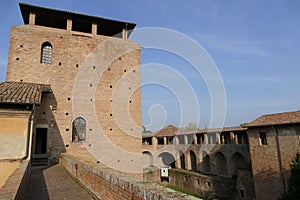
(41, 141)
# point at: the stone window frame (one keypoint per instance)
(79, 135)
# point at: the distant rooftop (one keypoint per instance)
(21, 92)
(83, 23)
(276, 119)
(171, 130)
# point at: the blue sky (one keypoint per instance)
(254, 44)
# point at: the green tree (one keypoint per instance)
(191, 127)
(293, 192)
(145, 130)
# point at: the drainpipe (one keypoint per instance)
(29, 134)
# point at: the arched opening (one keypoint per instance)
(167, 159)
(221, 164)
(46, 53)
(238, 162)
(149, 158)
(182, 160)
(205, 162)
(193, 161)
(79, 129)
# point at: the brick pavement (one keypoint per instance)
(54, 183)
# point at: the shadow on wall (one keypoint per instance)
(269, 184)
(45, 123)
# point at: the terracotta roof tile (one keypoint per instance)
(21, 92)
(170, 130)
(276, 119)
(224, 129)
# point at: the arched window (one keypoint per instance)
(46, 53)
(79, 128)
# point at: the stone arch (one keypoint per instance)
(238, 162)
(150, 157)
(182, 159)
(167, 159)
(221, 164)
(205, 162)
(193, 161)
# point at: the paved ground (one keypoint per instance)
(54, 183)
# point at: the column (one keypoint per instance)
(32, 18)
(185, 139)
(205, 139)
(69, 24)
(232, 138)
(94, 29)
(124, 33)
(218, 139)
(195, 139)
(154, 141)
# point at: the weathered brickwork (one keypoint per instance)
(116, 63)
(271, 162)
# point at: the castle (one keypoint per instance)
(73, 86)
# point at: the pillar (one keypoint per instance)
(218, 139)
(232, 140)
(94, 29)
(32, 18)
(69, 24)
(195, 139)
(124, 33)
(154, 141)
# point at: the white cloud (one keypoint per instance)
(233, 45)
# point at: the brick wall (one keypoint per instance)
(92, 76)
(271, 162)
(107, 183)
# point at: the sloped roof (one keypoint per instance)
(276, 119)
(21, 92)
(224, 129)
(115, 26)
(170, 130)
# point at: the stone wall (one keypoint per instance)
(271, 162)
(107, 183)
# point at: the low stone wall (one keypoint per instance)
(16, 184)
(107, 183)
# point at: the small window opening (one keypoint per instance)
(46, 54)
(263, 138)
(242, 194)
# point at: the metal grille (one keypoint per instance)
(46, 53)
